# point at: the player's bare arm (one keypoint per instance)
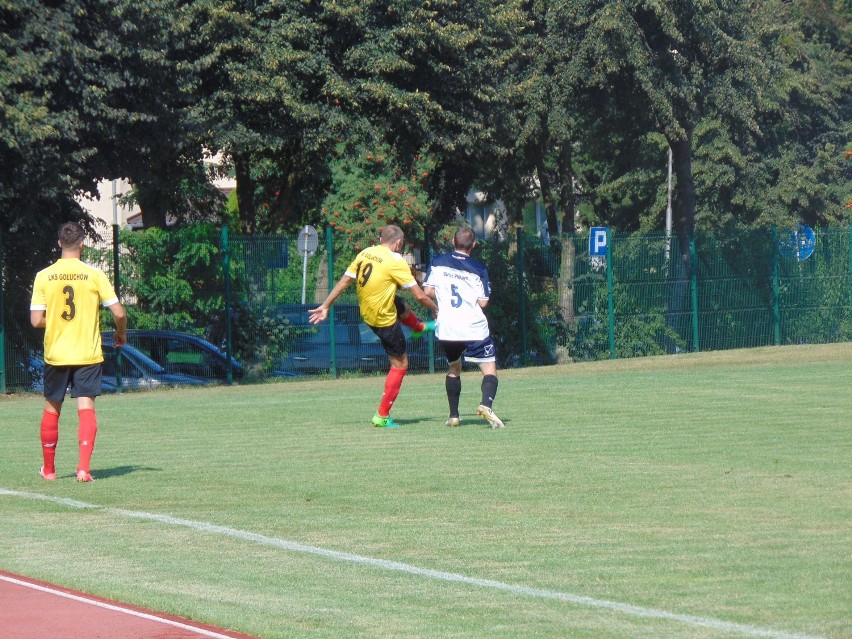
(424, 299)
(120, 317)
(320, 313)
(37, 319)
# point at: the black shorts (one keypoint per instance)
(392, 339)
(80, 381)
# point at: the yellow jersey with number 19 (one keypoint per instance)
(71, 293)
(378, 272)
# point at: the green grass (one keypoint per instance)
(714, 486)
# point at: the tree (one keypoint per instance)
(753, 100)
(369, 190)
(425, 76)
(263, 87)
(44, 142)
(539, 119)
(48, 94)
(149, 132)
(672, 65)
(799, 171)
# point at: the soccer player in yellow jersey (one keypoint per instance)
(66, 302)
(378, 272)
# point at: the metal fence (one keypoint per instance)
(646, 296)
(568, 299)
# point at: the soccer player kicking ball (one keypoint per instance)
(461, 287)
(66, 302)
(378, 272)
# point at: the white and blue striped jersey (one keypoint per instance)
(459, 282)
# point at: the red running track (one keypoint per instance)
(31, 609)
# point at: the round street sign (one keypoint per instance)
(308, 241)
(800, 243)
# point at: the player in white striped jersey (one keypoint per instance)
(460, 286)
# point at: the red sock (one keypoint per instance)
(86, 436)
(412, 321)
(49, 438)
(393, 382)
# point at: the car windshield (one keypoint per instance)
(140, 362)
(179, 352)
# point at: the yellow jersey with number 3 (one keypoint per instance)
(378, 272)
(71, 292)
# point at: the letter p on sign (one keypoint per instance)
(597, 241)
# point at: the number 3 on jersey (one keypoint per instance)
(70, 310)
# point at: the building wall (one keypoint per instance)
(106, 207)
(110, 211)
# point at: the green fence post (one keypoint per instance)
(693, 285)
(332, 349)
(522, 296)
(116, 279)
(427, 259)
(226, 276)
(2, 324)
(116, 283)
(610, 294)
(850, 266)
(776, 308)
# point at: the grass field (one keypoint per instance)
(689, 496)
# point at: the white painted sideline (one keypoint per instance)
(116, 608)
(744, 630)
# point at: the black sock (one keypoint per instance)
(453, 385)
(489, 390)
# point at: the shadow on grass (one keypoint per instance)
(467, 422)
(118, 471)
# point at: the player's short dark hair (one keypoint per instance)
(391, 233)
(464, 238)
(71, 234)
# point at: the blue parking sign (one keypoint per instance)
(597, 241)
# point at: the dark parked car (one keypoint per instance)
(356, 346)
(138, 371)
(181, 353)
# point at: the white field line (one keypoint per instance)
(744, 630)
(116, 608)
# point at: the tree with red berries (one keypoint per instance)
(369, 190)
